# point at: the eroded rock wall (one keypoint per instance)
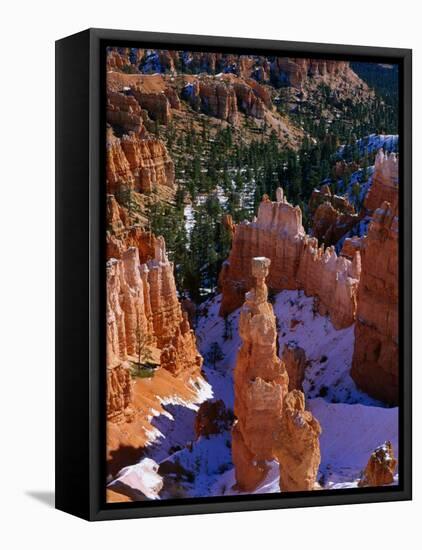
(385, 182)
(375, 366)
(143, 310)
(297, 262)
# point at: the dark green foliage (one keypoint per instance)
(220, 170)
(142, 371)
(384, 79)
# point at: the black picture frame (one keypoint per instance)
(80, 280)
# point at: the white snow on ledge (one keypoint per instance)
(203, 392)
(142, 477)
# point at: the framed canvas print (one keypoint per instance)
(233, 274)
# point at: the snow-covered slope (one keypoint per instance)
(373, 142)
(328, 351)
(349, 435)
(353, 424)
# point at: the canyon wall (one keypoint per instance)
(375, 366)
(279, 71)
(142, 303)
(144, 317)
(385, 182)
(151, 352)
(214, 97)
(225, 96)
(296, 71)
(271, 423)
(141, 164)
(297, 262)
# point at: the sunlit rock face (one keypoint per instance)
(381, 467)
(145, 325)
(385, 183)
(143, 310)
(297, 445)
(260, 384)
(271, 422)
(144, 316)
(213, 97)
(297, 71)
(140, 164)
(119, 392)
(124, 112)
(375, 367)
(297, 262)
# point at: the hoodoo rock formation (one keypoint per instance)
(248, 100)
(297, 445)
(145, 326)
(124, 112)
(296, 71)
(213, 97)
(225, 96)
(140, 164)
(271, 421)
(297, 262)
(260, 384)
(375, 358)
(143, 310)
(385, 182)
(381, 467)
(155, 103)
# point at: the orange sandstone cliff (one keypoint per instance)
(142, 304)
(145, 320)
(375, 358)
(375, 366)
(385, 182)
(297, 262)
(141, 164)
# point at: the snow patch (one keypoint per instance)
(142, 477)
(350, 434)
